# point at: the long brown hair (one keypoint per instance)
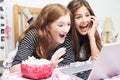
(79, 40)
(48, 14)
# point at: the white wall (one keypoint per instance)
(107, 8)
(102, 9)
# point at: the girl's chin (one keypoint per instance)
(83, 33)
(61, 42)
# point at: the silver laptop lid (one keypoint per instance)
(108, 63)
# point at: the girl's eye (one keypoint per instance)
(87, 15)
(60, 25)
(77, 17)
(69, 24)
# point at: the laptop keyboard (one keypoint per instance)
(84, 74)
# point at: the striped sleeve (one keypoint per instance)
(26, 47)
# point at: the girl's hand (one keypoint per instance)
(93, 28)
(56, 56)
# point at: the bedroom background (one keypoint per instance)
(102, 9)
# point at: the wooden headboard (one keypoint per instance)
(20, 21)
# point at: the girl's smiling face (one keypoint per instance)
(59, 29)
(82, 20)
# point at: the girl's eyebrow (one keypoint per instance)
(77, 14)
(80, 14)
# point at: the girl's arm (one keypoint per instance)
(15, 68)
(91, 34)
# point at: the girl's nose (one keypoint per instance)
(66, 29)
(84, 19)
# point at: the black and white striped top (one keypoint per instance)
(28, 45)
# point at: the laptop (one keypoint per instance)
(106, 66)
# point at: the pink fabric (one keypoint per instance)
(57, 75)
(114, 78)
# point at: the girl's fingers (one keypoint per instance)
(61, 59)
(55, 62)
(59, 53)
(56, 56)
